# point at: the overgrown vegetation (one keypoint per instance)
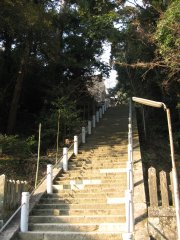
(15, 147)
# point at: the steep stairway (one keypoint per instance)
(88, 200)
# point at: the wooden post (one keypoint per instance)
(83, 135)
(164, 189)
(39, 145)
(103, 109)
(100, 113)
(13, 196)
(172, 188)
(94, 121)
(89, 127)
(97, 116)
(10, 194)
(152, 187)
(57, 137)
(18, 195)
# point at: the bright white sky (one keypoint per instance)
(111, 81)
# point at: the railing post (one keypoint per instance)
(107, 104)
(129, 138)
(76, 145)
(97, 116)
(130, 156)
(130, 176)
(103, 109)
(89, 127)
(130, 110)
(94, 121)
(49, 179)
(129, 212)
(83, 135)
(100, 113)
(65, 159)
(24, 212)
(130, 190)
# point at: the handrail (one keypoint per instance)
(130, 188)
(171, 144)
(12, 216)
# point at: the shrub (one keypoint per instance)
(15, 146)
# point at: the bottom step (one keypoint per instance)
(69, 236)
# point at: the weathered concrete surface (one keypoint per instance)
(162, 223)
(162, 228)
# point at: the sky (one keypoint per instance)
(111, 81)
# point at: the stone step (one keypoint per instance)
(120, 190)
(94, 167)
(70, 236)
(94, 172)
(88, 200)
(103, 154)
(78, 212)
(78, 219)
(84, 175)
(80, 227)
(80, 177)
(81, 181)
(80, 200)
(79, 194)
(103, 149)
(100, 160)
(97, 163)
(100, 186)
(83, 157)
(70, 206)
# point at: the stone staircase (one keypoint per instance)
(88, 200)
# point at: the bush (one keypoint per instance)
(15, 146)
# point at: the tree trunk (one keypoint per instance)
(16, 94)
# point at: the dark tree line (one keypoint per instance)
(50, 49)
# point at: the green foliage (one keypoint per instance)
(16, 146)
(69, 121)
(167, 33)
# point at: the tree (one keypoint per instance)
(49, 51)
(138, 50)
